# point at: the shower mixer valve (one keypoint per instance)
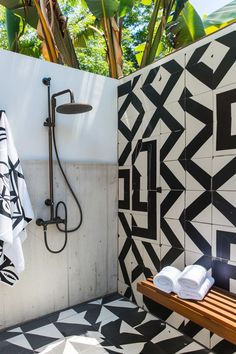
(55, 221)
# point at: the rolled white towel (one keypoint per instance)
(197, 294)
(192, 276)
(166, 280)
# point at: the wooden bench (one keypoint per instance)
(216, 312)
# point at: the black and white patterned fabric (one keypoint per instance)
(111, 324)
(15, 207)
(177, 168)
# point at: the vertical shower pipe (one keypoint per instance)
(49, 123)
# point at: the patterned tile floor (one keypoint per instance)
(111, 324)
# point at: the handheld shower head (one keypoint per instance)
(73, 108)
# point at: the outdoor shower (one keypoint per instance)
(69, 108)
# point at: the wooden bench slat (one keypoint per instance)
(215, 312)
(218, 298)
(207, 306)
(224, 292)
(220, 305)
(223, 295)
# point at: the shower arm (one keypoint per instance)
(53, 103)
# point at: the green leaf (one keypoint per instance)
(103, 8)
(13, 29)
(146, 2)
(84, 4)
(29, 13)
(187, 28)
(80, 41)
(30, 51)
(139, 49)
(12, 4)
(82, 38)
(178, 8)
(224, 15)
(125, 7)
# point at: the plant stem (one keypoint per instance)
(151, 28)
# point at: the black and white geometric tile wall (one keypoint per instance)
(177, 170)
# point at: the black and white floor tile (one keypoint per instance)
(199, 334)
(111, 324)
(219, 345)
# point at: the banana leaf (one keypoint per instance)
(103, 8)
(146, 2)
(13, 30)
(139, 49)
(125, 7)
(81, 39)
(179, 5)
(62, 38)
(17, 6)
(224, 15)
(187, 28)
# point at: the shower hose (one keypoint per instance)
(65, 230)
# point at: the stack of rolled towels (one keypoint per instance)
(192, 283)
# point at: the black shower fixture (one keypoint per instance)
(68, 108)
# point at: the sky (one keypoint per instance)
(208, 6)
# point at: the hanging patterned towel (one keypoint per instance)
(15, 207)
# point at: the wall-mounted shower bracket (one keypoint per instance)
(49, 202)
(46, 81)
(48, 123)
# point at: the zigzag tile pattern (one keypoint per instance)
(177, 144)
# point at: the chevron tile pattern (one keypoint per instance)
(177, 148)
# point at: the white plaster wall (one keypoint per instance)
(87, 268)
(89, 137)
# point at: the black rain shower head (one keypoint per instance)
(73, 108)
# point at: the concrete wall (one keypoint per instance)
(87, 268)
(177, 131)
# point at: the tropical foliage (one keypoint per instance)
(110, 37)
(47, 18)
(220, 18)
